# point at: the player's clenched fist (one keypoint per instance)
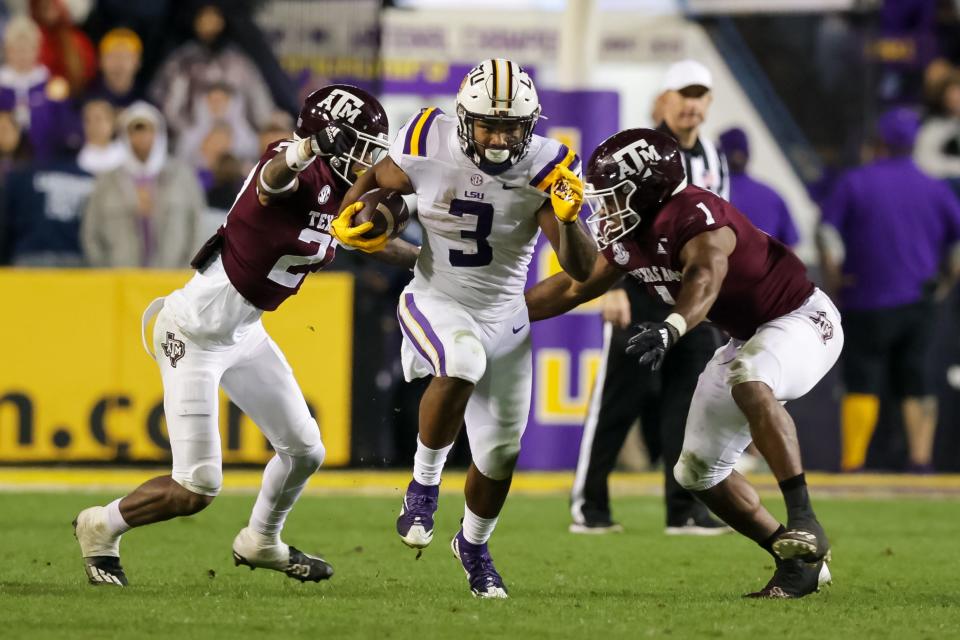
(333, 140)
(652, 342)
(352, 237)
(566, 194)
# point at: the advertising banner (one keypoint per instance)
(76, 384)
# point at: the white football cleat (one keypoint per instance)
(100, 550)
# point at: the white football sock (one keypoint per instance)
(428, 463)
(477, 530)
(284, 478)
(116, 525)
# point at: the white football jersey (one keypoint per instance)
(480, 229)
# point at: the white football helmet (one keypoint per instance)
(500, 92)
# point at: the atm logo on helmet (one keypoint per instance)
(342, 105)
(634, 157)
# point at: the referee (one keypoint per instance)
(624, 390)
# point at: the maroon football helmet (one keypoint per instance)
(629, 177)
(352, 107)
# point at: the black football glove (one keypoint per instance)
(652, 342)
(333, 140)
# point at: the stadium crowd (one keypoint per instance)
(126, 130)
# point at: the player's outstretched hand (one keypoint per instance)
(333, 140)
(652, 341)
(352, 237)
(566, 194)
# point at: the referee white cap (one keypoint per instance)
(687, 73)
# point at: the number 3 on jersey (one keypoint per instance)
(482, 253)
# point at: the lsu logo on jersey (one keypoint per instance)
(342, 105)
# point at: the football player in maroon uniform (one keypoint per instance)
(701, 255)
(209, 334)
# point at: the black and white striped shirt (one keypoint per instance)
(705, 165)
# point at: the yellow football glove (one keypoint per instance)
(352, 237)
(566, 194)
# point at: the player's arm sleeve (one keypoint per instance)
(543, 172)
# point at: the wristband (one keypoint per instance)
(676, 321)
(268, 189)
(294, 157)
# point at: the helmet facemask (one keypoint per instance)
(494, 161)
(611, 218)
(365, 153)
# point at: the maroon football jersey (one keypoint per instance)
(765, 280)
(267, 251)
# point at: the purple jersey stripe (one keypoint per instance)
(409, 334)
(422, 146)
(428, 331)
(409, 137)
(549, 166)
(575, 164)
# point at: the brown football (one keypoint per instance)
(387, 211)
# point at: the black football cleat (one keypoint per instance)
(105, 570)
(794, 579)
(280, 557)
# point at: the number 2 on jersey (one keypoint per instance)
(483, 254)
(281, 273)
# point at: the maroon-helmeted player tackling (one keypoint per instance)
(698, 253)
(209, 334)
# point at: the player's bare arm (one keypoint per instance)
(383, 175)
(705, 261)
(560, 293)
(278, 177)
(398, 253)
(558, 221)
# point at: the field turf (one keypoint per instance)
(896, 563)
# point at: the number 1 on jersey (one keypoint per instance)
(706, 211)
(483, 254)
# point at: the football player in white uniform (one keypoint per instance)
(486, 186)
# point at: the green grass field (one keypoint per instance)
(895, 572)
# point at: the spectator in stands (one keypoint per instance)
(146, 212)
(183, 80)
(219, 114)
(42, 207)
(39, 101)
(120, 55)
(101, 150)
(764, 206)
(65, 50)
(938, 144)
(889, 239)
